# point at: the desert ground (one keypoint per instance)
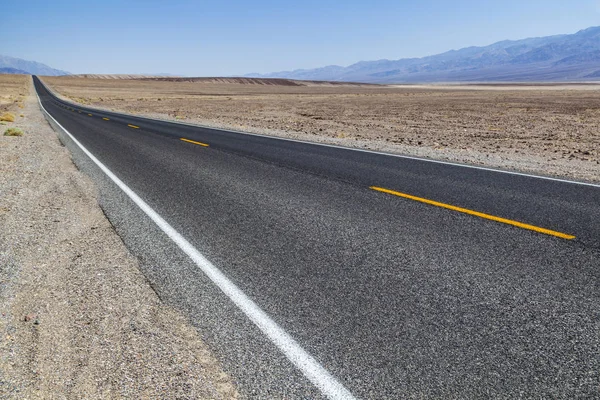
(78, 319)
(13, 89)
(544, 129)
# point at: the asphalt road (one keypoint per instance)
(395, 297)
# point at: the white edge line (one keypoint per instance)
(455, 164)
(310, 367)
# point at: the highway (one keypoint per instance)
(398, 277)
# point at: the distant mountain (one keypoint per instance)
(27, 67)
(12, 71)
(551, 58)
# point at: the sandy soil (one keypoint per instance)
(13, 92)
(78, 320)
(550, 130)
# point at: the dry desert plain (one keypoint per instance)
(544, 129)
(13, 89)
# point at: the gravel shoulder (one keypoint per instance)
(77, 317)
(543, 129)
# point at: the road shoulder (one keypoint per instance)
(78, 318)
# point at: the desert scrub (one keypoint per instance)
(13, 132)
(9, 117)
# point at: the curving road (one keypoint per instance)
(398, 277)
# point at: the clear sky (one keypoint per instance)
(198, 38)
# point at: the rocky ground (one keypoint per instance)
(78, 320)
(550, 130)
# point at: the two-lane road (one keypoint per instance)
(401, 277)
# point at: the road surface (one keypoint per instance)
(398, 277)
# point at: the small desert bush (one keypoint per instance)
(9, 117)
(13, 132)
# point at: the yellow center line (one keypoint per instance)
(476, 213)
(191, 141)
(133, 126)
(90, 115)
(106, 119)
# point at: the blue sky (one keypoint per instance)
(197, 38)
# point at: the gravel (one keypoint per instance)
(77, 317)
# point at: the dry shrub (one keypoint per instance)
(9, 117)
(13, 132)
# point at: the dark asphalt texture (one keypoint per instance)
(397, 299)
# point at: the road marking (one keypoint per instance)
(312, 370)
(90, 115)
(106, 119)
(194, 142)
(476, 213)
(133, 126)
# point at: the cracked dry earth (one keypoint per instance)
(77, 318)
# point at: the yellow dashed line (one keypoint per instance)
(106, 119)
(133, 126)
(90, 115)
(194, 142)
(476, 213)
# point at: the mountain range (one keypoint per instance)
(11, 65)
(574, 57)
